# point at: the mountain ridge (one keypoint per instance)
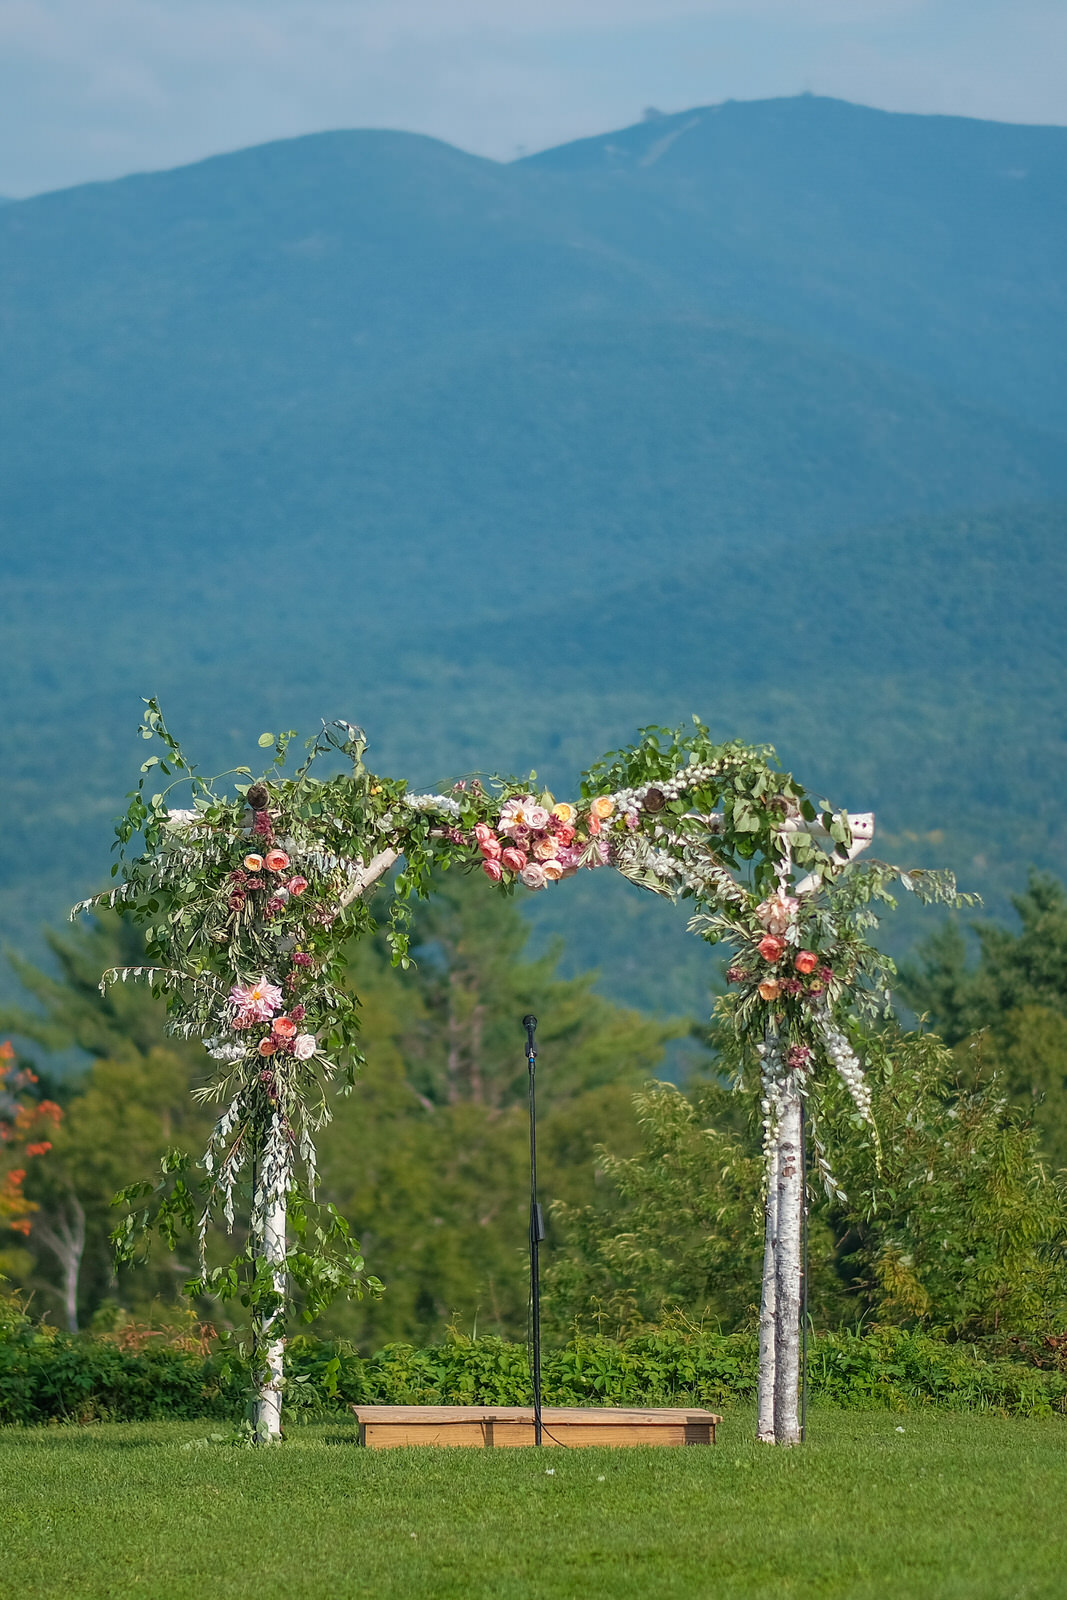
(362, 425)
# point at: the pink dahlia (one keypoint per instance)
(258, 1000)
(515, 813)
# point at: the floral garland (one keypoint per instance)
(249, 900)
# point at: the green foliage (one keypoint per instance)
(957, 1224)
(950, 1221)
(429, 1155)
(426, 1156)
(684, 1229)
(1007, 1013)
(1014, 970)
(134, 1375)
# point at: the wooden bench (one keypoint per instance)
(388, 1427)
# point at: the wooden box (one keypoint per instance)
(388, 1427)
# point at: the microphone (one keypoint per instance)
(530, 1024)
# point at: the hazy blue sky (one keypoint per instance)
(95, 88)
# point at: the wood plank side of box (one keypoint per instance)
(489, 1427)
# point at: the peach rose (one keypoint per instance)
(602, 806)
(806, 961)
(770, 947)
(492, 869)
(267, 1046)
(297, 885)
(545, 849)
(283, 1028)
(778, 912)
(768, 989)
(553, 871)
(513, 859)
(564, 811)
(254, 863)
(275, 860)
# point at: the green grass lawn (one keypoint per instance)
(952, 1508)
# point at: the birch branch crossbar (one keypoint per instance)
(489, 1427)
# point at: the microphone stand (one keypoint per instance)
(537, 1233)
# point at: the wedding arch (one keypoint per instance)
(249, 899)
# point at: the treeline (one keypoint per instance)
(954, 1220)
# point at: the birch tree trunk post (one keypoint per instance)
(767, 1318)
(787, 1276)
(269, 1225)
(269, 1217)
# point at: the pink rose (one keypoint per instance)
(304, 1045)
(536, 817)
(483, 833)
(806, 961)
(533, 875)
(513, 859)
(490, 848)
(268, 1046)
(297, 885)
(492, 869)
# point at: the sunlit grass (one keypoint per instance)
(951, 1508)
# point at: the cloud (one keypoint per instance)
(93, 88)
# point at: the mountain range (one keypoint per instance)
(758, 411)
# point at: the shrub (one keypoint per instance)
(50, 1376)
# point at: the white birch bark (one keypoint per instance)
(67, 1243)
(787, 1276)
(767, 1319)
(269, 1224)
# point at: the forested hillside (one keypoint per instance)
(757, 411)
